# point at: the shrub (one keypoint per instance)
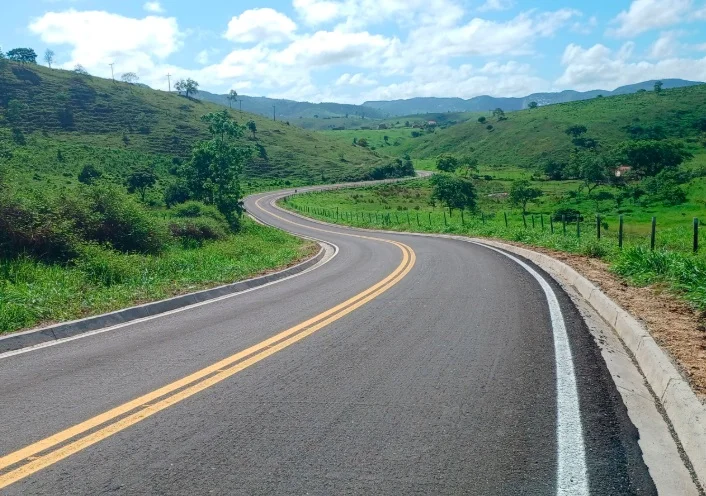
(197, 230)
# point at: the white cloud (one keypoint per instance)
(665, 46)
(645, 15)
(154, 7)
(98, 38)
(585, 27)
(602, 68)
(260, 26)
(490, 5)
(358, 79)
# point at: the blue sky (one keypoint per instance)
(357, 50)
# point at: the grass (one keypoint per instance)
(69, 120)
(33, 293)
(528, 137)
(406, 207)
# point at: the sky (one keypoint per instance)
(353, 51)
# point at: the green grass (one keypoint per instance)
(406, 207)
(529, 136)
(33, 293)
(116, 125)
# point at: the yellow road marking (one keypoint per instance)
(188, 386)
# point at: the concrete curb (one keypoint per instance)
(34, 337)
(684, 410)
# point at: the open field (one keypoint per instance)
(406, 207)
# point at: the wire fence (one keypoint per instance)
(615, 231)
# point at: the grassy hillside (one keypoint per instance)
(68, 120)
(530, 136)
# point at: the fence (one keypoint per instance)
(683, 237)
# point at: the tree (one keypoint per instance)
(188, 86)
(363, 142)
(22, 55)
(533, 105)
(554, 170)
(232, 97)
(522, 192)
(15, 110)
(386, 139)
(658, 86)
(49, 57)
(576, 130)
(499, 113)
(454, 192)
(594, 170)
(130, 78)
(447, 163)
(213, 174)
(482, 119)
(140, 179)
(89, 174)
(252, 127)
(3, 59)
(649, 157)
(79, 69)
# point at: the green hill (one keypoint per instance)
(53, 122)
(528, 137)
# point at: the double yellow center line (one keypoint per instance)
(41, 454)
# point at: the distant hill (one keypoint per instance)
(527, 138)
(290, 109)
(53, 122)
(486, 103)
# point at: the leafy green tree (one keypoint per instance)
(141, 179)
(213, 174)
(482, 119)
(386, 139)
(15, 111)
(252, 127)
(188, 86)
(649, 157)
(3, 59)
(532, 105)
(49, 57)
(232, 98)
(522, 192)
(658, 86)
(22, 55)
(576, 130)
(129, 77)
(454, 192)
(89, 174)
(594, 170)
(362, 142)
(79, 69)
(176, 192)
(554, 170)
(466, 165)
(447, 163)
(499, 113)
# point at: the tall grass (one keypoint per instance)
(100, 280)
(672, 263)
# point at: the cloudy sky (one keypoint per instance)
(357, 50)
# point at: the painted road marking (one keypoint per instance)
(156, 401)
(572, 477)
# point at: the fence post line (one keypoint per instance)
(505, 214)
(533, 221)
(598, 226)
(524, 219)
(653, 236)
(541, 221)
(696, 235)
(551, 223)
(418, 224)
(578, 226)
(444, 211)
(563, 221)
(620, 232)
(408, 222)
(430, 218)
(482, 217)
(463, 222)
(336, 212)
(397, 218)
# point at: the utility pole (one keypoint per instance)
(274, 113)
(241, 104)
(112, 74)
(169, 82)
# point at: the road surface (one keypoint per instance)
(402, 365)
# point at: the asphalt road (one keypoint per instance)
(441, 374)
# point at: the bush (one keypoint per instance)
(193, 209)
(194, 231)
(571, 215)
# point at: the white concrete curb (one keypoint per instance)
(684, 410)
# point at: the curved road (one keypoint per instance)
(402, 365)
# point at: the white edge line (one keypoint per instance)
(572, 477)
(39, 346)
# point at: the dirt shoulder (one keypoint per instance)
(676, 327)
